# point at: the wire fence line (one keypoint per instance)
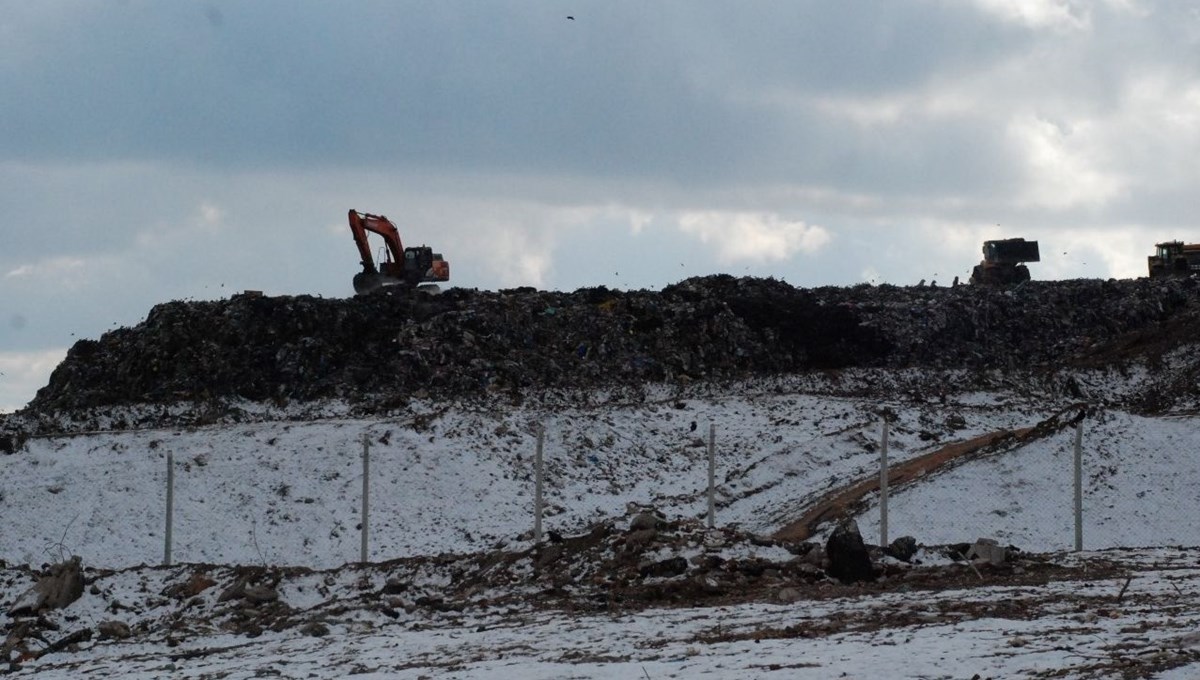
(538, 510)
(883, 490)
(351, 474)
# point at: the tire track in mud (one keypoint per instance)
(841, 502)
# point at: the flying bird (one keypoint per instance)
(571, 18)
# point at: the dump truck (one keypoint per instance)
(414, 267)
(1174, 258)
(1004, 262)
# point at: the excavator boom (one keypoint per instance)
(360, 224)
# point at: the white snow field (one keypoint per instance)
(459, 479)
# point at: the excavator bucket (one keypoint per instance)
(368, 282)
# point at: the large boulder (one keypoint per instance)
(903, 548)
(849, 561)
(12, 436)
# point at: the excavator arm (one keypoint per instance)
(360, 224)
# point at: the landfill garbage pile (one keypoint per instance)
(386, 348)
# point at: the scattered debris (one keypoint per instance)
(988, 550)
(903, 548)
(113, 630)
(61, 585)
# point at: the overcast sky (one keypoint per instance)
(155, 151)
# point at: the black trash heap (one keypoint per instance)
(388, 347)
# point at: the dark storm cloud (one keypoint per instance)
(628, 89)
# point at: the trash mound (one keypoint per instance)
(383, 349)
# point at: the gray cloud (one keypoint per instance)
(710, 94)
(670, 90)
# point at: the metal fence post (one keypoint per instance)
(366, 495)
(170, 508)
(1078, 487)
(537, 490)
(883, 484)
(712, 473)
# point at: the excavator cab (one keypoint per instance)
(422, 265)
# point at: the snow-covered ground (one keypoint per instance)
(456, 480)
(460, 479)
(1118, 614)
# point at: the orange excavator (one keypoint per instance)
(400, 266)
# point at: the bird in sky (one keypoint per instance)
(571, 18)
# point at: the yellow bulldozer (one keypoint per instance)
(1004, 262)
(1174, 258)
